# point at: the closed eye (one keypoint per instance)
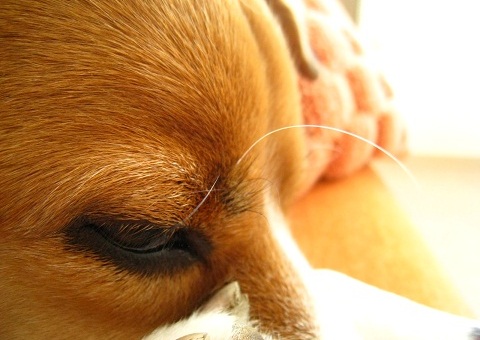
(140, 240)
(138, 246)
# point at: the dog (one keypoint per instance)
(143, 193)
(128, 195)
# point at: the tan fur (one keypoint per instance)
(133, 110)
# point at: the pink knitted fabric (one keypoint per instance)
(348, 94)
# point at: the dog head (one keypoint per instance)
(129, 189)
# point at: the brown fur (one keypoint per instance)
(132, 110)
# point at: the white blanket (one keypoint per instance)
(346, 309)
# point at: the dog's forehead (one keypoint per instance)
(187, 71)
(113, 100)
(205, 90)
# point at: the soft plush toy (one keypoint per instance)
(348, 93)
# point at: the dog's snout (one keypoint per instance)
(279, 301)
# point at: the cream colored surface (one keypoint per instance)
(446, 210)
(356, 226)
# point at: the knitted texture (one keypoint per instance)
(349, 93)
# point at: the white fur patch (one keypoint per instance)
(218, 325)
(281, 232)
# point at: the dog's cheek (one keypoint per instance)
(50, 285)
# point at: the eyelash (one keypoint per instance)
(138, 240)
(139, 247)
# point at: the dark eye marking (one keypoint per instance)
(138, 246)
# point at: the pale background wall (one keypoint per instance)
(430, 52)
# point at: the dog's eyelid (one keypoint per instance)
(143, 239)
(121, 224)
(138, 246)
(135, 226)
(132, 235)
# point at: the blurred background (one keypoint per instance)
(430, 53)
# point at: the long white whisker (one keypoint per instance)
(324, 127)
